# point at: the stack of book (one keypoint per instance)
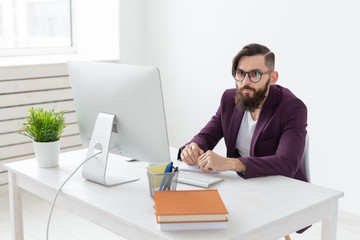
(189, 210)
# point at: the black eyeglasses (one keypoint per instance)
(254, 75)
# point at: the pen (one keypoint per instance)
(169, 179)
(167, 170)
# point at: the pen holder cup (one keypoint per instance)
(162, 182)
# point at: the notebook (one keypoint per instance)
(189, 206)
(192, 226)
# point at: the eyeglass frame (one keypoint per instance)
(248, 74)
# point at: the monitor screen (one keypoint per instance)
(133, 96)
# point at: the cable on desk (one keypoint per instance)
(58, 191)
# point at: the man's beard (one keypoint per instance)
(247, 103)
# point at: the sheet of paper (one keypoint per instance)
(191, 168)
(157, 169)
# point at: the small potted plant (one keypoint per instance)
(45, 127)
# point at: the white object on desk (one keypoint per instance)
(271, 207)
(191, 226)
(95, 169)
(198, 179)
(192, 168)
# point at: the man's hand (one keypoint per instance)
(191, 153)
(210, 161)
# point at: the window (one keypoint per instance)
(32, 32)
(31, 25)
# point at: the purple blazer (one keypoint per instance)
(278, 142)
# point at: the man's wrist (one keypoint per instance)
(238, 165)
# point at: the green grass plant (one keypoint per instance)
(43, 125)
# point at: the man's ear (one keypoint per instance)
(274, 77)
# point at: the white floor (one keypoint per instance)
(65, 225)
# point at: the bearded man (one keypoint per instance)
(263, 124)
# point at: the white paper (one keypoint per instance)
(192, 168)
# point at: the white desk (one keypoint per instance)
(259, 208)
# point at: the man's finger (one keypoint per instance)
(189, 156)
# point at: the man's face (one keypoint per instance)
(250, 96)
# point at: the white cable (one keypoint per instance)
(58, 191)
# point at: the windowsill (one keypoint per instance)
(52, 59)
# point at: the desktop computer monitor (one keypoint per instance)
(120, 110)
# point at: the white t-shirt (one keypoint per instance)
(245, 135)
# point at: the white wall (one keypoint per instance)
(317, 56)
(132, 31)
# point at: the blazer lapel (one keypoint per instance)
(266, 112)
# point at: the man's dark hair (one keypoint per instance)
(252, 50)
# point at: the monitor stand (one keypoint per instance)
(95, 169)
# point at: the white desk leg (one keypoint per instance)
(16, 217)
(329, 224)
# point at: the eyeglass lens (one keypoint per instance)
(254, 75)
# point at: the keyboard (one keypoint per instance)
(198, 179)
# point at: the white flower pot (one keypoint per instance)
(47, 153)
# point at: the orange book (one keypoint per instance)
(189, 206)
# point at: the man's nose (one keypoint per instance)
(247, 80)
